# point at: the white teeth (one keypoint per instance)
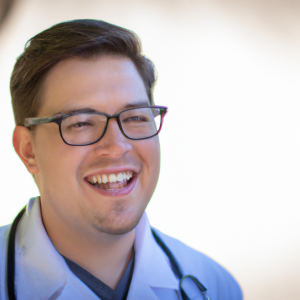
(128, 175)
(112, 178)
(120, 177)
(104, 178)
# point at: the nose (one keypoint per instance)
(113, 144)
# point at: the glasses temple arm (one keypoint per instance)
(37, 121)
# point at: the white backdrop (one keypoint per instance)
(229, 183)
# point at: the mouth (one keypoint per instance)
(111, 181)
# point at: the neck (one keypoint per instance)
(106, 256)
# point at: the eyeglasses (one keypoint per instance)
(87, 126)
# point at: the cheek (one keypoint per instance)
(150, 153)
(57, 161)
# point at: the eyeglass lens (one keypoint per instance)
(86, 128)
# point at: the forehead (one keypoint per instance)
(107, 83)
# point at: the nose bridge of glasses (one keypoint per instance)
(116, 116)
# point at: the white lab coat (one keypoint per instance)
(42, 274)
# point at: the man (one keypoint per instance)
(86, 128)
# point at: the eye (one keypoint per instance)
(135, 119)
(78, 125)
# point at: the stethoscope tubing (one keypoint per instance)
(10, 271)
(175, 263)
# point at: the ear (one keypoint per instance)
(23, 144)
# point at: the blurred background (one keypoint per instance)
(229, 71)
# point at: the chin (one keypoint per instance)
(118, 223)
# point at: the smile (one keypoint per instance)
(111, 181)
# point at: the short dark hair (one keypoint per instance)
(77, 38)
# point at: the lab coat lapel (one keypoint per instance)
(41, 272)
(152, 268)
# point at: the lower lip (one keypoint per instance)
(117, 192)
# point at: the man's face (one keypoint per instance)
(107, 84)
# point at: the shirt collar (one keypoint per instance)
(41, 271)
(38, 264)
(151, 261)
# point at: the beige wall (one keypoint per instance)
(229, 183)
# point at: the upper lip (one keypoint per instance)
(112, 170)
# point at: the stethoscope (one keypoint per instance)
(10, 273)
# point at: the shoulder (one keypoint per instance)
(218, 281)
(4, 231)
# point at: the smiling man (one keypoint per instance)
(87, 129)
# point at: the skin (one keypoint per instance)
(96, 231)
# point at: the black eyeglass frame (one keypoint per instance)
(60, 117)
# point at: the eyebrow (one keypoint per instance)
(137, 104)
(91, 110)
